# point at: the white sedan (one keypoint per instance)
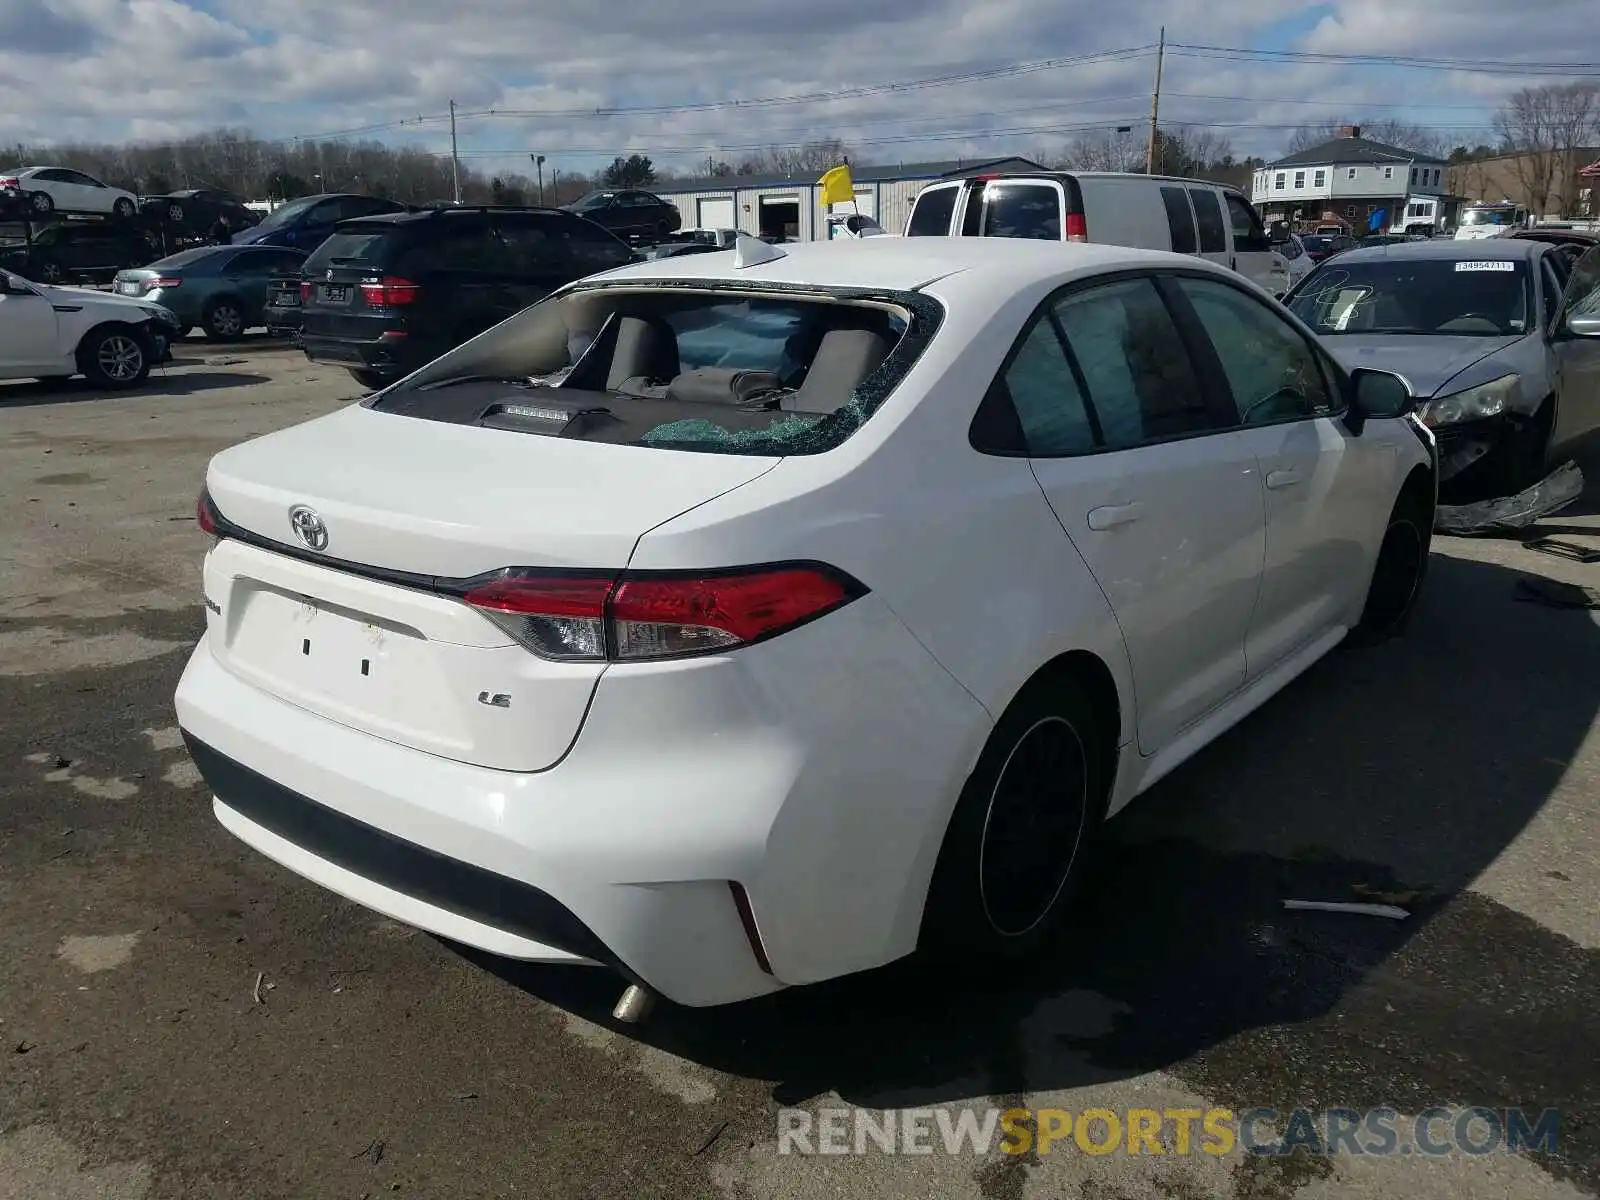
(819, 612)
(49, 332)
(58, 189)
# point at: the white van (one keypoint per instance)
(1153, 212)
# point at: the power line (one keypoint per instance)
(1500, 66)
(836, 94)
(952, 135)
(1191, 50)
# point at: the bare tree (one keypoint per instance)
(1418, 139)
(813, 158)
(1103, 150)
(1544, 129)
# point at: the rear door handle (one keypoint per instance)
(1111, 515)
(1282, 479)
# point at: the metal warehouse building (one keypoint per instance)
(766, 204)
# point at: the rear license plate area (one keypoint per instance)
(336, 293)
(127, 289)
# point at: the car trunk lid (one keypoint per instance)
(368, 630)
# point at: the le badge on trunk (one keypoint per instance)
(309, 527)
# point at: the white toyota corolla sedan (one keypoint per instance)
(745, 619)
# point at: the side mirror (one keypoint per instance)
(1378, 394)
(1584, 325)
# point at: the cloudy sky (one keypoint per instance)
(529, 75)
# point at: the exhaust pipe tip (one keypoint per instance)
(634, 1005)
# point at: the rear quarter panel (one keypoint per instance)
(960, 547)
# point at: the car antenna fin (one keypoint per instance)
(750, 252)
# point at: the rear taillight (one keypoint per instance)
(305, 293)
(645, 616)
(9, 183)
(1077, 228)
(166, 281)
(391, 292)
(205, 513)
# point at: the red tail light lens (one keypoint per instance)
(166, 281)
(305, 293)
(7, 183)
(647, 617)
(206, 514)
(1077, 228)
(392, 292)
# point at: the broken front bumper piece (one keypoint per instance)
(1557, 490)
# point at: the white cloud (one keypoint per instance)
(152, 69)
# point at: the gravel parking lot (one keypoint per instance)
(179, 1017)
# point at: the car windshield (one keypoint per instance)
(285, 213)
(1442, 296)
(1488, 216)
(593, 200)
(687, 366)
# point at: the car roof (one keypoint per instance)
(414, 216)
(1476, 249)
(905, 264)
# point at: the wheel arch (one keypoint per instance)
(107, 326)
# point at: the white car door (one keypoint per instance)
(1161, 502)
(1577, 361)
(29, 344)
(1251, 253)
(1327, 492)
(92, 195)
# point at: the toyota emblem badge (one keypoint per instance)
(309, 527)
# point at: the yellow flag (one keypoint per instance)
(837, 186)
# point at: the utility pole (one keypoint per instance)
(1155, 105)
(455, 157)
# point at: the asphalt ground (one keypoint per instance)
(179, 1017)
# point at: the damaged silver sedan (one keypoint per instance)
(1501, 336)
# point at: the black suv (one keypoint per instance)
(70, 252)
(387, 294)
(629, 214)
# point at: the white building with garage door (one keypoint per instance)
(789, 206)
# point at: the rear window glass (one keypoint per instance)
(350, 245)
(704, 369)
(1022, 210)
(931, 212)
(184, 257)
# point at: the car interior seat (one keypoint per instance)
(845, 356)
(645, 357)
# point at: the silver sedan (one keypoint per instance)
(1501, 338)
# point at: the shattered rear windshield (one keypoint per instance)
(708, 367)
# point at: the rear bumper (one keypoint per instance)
(274, 317)
(382, 354)
(819, 775)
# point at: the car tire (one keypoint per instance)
(368, 379)
(51, 272)
(114, 357)
(1017, 845)
(43, 203)
(174, 214)
(123, 209)
(223, 320)
(1400, 570)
